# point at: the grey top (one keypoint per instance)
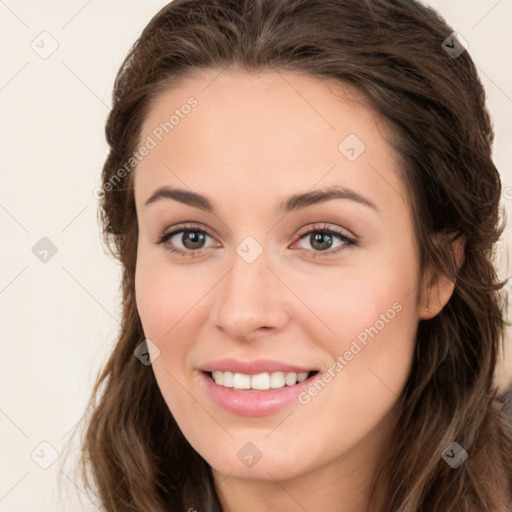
(506, 398)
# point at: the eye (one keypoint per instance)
(322, 237)
(190, 237)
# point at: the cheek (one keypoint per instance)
(153, 304)
(371, 318)
(162, 295)
(172, 315)
(355, 302)
(371, 351)
(161, 303)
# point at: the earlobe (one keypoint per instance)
(439, 288)
(436, 297)
(458, 249)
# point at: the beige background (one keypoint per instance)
(59, 318)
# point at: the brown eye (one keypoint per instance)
(184, 241)
(322, 238)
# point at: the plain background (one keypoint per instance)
(59, 317)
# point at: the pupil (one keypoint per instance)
(317, 237)
(193, 236)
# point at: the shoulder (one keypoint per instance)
(506, 400)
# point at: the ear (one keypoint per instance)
(439, 287)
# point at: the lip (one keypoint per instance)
(252, 402)
(252, 367)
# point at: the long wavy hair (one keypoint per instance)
(396, 53)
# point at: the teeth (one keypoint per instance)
(218, 377)
(302, 376)
(227, 379)
(260, 381)
(290, 379)
(277, 379)
(241, 381)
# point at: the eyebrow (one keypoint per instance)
(294, 202)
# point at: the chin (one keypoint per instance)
(261, 471)
(265, 465)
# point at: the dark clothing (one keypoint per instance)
(506, 399)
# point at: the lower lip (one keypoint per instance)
(254, 403)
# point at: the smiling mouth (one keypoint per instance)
(259, 382)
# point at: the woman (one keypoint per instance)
(302, 197)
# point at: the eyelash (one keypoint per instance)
(324, 229)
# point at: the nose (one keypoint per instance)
(251, 300)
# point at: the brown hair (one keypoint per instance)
(392, 52)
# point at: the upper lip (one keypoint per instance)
(252, 367)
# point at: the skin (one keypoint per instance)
(252, 141)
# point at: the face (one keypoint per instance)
(247, 281)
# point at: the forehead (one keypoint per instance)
(266, 101)
(251, 130)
